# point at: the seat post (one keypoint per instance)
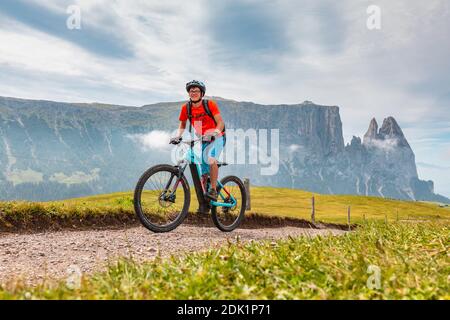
(203, 206)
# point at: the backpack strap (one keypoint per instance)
(209, 113)
(189, 114)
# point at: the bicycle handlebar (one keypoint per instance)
(189, 142)
(192, 141)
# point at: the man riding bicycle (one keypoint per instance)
(204, 116)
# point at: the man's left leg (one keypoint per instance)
(213, 154)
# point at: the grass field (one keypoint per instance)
(281, 202)
(411, 254)
(333, 208)
(406, 260)
(297, 203)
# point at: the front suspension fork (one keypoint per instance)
(179, 175)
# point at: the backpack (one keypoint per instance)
(207, 110)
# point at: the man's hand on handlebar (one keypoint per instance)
(175, 140)
(210, 136)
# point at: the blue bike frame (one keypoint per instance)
(192, 158)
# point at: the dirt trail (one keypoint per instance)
(54, 255)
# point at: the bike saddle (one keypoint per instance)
(220, 164)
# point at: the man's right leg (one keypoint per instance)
(213, 172)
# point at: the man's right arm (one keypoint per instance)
(177, 138)
(181, 128)
(183, 119)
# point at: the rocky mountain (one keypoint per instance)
(384, 164)
(51, 150)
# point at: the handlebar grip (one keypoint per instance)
(175, 141)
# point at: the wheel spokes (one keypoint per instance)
(232, 195)
(161, 205)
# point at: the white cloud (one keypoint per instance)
(17, 176)
(385, 145)
(160, 63)
(155, 140)
(77, 177)
(34, 51)
(169, 49)
(294, 147)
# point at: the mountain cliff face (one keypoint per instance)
(51, 150)
(389, 150)
(384, 164)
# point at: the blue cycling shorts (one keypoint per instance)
(212, 149)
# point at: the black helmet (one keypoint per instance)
(195, 83)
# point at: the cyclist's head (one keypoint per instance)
(196, 90)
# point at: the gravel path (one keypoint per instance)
(56, 255)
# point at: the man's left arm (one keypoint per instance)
(220, 124)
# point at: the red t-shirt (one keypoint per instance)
(200, 119)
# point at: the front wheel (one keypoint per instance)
(161, 200)
(233, 194)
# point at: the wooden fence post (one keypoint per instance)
(313, 211)
(247, 191)
(348, 216)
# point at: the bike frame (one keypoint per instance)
(191, 159)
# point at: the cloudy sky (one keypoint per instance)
(143, 51)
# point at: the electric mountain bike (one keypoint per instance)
(162, 195)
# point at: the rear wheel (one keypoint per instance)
(233, 192)
(157, 206)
